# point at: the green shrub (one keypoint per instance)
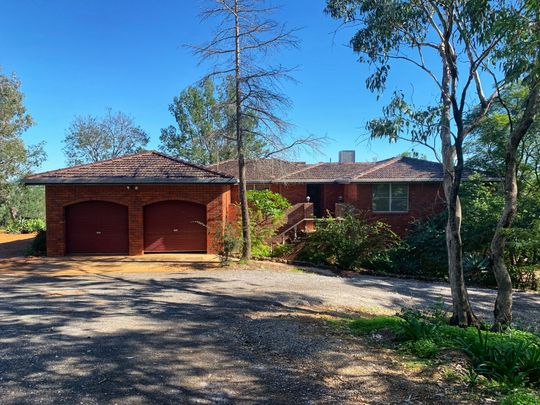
(26, 226)
(266, 215)
(39, 245)
(347, 242)
(416, 326)
(282, 249)
(514, 362)
(229, 242)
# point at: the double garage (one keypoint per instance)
(102, 227)
(144, 203)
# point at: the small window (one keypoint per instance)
(390, 197)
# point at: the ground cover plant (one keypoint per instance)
(504, 364)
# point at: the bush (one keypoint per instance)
(347, 242)
(266, 215)
(423, 348)
(39, 245)
(26, 226)
(514, 362)
(229, 242)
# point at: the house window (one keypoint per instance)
(391, 197)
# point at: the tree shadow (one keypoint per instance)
(113, 339)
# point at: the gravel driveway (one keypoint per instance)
(213, 336)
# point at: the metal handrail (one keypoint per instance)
(295, 227)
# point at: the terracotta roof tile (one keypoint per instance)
(146, 167)
(260, 170)
(281, 171)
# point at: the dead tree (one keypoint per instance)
(245, 37)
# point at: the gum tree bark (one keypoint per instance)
(503, 304)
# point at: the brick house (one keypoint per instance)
(151, 202)
(396, 190)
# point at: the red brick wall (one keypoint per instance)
(295, 193)
(215, 197)
(424, 199)
(330, 197)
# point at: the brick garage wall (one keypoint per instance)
(215, 197)
(424, 199)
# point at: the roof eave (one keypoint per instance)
(126, 180)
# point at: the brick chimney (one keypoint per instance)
(347, 156)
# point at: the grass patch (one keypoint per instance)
(363, 326)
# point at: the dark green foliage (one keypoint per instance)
(422, 253)
(514, 363)
(347, 242)
(39, 245)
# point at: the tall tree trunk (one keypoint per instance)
(462, 310)
(503, 304)
(246, 233)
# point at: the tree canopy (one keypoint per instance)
(89, 138)
(205, 115)
(16, 158)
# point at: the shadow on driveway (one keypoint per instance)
(113, 339)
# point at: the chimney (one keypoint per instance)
(346, 156)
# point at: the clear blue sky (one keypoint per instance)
(79, 57)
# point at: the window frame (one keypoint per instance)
(390, 211)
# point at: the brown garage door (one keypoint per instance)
(174, 226)
(97, 227)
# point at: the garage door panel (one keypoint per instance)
(174, 226)
(95, 227)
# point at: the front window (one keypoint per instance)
(390, 197)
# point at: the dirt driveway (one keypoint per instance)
(200, 335)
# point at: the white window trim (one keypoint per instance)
(390, 211)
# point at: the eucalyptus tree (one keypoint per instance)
(242, 46)
(17, 159)
(454, 44)
(89, 138)
(520, 57)
(205, 124)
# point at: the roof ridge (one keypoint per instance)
(378, 166)
(308, 166)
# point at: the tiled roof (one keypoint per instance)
(147, 167)
(404, 168)
(280, 171)
(260, 169)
